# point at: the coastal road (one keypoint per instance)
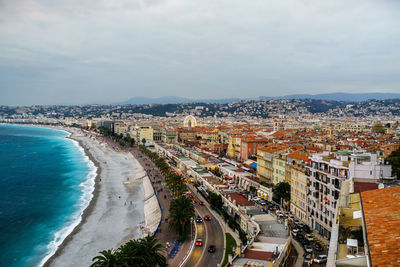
(212, 234)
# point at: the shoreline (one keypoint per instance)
(109, 183)
(87, 211)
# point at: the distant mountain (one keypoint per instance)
(339, 96)
(173, 100)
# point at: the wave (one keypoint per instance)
(87, 188)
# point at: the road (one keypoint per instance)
(211, 233)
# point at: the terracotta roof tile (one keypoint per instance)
(381, 209)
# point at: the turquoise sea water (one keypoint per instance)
(46, 181)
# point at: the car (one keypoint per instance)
(308, 248)
(299, 224)
(199, 219)
(300, 237)
(199, 242)
(306, 229)
(291, 216)
(271, 207)
(321, 259)
(194, 201)
(318, 247)
(305, 242)
(211, 249)
(201, 203)
(307, 258)
(309, 237)
(294, 232)
(207, 218)
(256, 199)
(286, 214)
(263, 203)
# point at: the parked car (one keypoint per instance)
(300, 236)
(294, 232)
(318, 247)
(306, 229)
(263, 203)
(320, 259)
(307, 258)
(305, 242)
(199, 242)
(291, 216)
(308, 248)
(256, 199)
(309, 237)
(199, 219)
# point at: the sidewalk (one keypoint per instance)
(300, 253)
(164, 195)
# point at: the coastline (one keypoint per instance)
(116, 212)
(144, 214)
(87, 211)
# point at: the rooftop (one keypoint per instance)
(381, 209)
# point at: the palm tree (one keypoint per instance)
(181, 211)
(108, 258)
(142, 252)
(153, 251)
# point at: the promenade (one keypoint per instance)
(164, 194)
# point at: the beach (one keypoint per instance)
(116, 212)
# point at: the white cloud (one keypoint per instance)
(191, 48)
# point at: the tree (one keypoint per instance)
(378, 128)
(140, 252)
(394, 160)
(281, 191)
(181, 211)
(216, 201)
(107, 258)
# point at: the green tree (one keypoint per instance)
(107, 258)
(216, 201)
(394, 160)
(281, 190)
(139, 253)
(378, 128)
(181, 211)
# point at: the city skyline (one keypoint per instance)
(110, 51)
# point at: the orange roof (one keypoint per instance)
(299, 155)
(273, 148)
(381, 209)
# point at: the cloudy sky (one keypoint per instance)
(92, 51)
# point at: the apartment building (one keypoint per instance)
(265, 157)
(295, 167)
(325, 174)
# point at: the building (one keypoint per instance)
(169, 136)
(279, 168)
(367, 228)
(265, 155)
(295, 165)
(249, 146)
(325, 174)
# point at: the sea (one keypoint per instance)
(46, 181)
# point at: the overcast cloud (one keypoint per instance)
(86, 51)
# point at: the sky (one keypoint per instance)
(106, 51)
